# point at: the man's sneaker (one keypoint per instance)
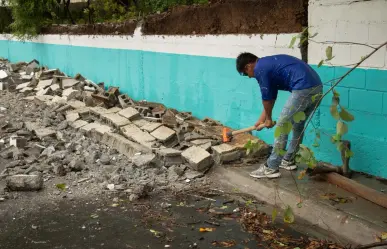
(288, 165)
(265, 172)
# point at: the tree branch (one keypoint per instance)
(347, 43)
(340, 79)
(377, 244)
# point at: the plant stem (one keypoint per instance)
(340, 79)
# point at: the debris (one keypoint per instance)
(206, 229)
(198, 158)
(24, 182)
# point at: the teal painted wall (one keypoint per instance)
(210, 86)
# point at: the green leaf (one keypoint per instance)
(277, 132)
(61, 186)
(335, 138)
(303, 40)
(288, 215)
(248, 144)
(328, 52)
(341, 128)
(299, 205)
(334, 112)
(314, 97)
(293, 41)
(345, 115)
(286, 128)
(248, 151)
(349, 153)
(274, 215)
(299, 116)
(335, 93)
(320, 63)
(280, 152)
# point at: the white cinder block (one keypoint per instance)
(283, 40)
(315, 54)
(377, 33)
(341, 53)
(326, 31)
(376, 60)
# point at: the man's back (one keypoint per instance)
(286, 73)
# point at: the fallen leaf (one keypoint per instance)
(384, 236)
(224, 207)
(115, 205)
(206, 229)
(274, 214)
(94, 216)
(228, 243)
(267, 231)
(61, 186)
(288, 215)
(155, 233)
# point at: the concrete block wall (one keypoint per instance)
(345, 25)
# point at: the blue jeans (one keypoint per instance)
(299, 101)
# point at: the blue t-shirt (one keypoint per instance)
(283, 72)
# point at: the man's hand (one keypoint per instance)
(269, 123)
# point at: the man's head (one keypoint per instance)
(245, 64)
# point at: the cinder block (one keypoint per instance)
(342, 55)
(384, 103)
(18, 142)
(43, 84)
(68, 83)
(356, 79)
(21, 86)
(44, 132)
(76, 104)
(115, 119)
(144, 160)
(344, 96)
(129, 113)
(367, 101)
(376, 80)
(377, 33)
(170, 157)
(67, 92)
(376, 60)
(224, 153)
(198, 158)
(78, 124)
(134, 133)
(72, 116)
(100, 128)
(349, 31)
(163, 133)
(151, 127)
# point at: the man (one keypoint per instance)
(285, 73)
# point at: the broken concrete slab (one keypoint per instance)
(100, 128)
(54, 87)
(144, 160)
(136, 134)
(78, 124)
(121, 144)
(129, 113)
(68, 83)
(115, 120)
(45, 91)
(169, 157)
(151, 127)
(67, 92)
(3, 74)
(72, 116)
(31, 126)
(26, 90)
(140, 122)
(163, 133)
(44, 132)
(23, 85)
(43, 84)
(224, 153)
(24, 182)
(198, 158)
(98, 111)
(42, 99)
(76, 104)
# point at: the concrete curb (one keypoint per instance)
(355, 230)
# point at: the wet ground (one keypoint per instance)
(113, 223)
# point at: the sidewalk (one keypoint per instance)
(357, 222)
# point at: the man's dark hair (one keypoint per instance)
(243, 59)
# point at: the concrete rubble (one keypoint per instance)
(61, 128)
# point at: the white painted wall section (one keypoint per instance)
(226, 46)
(347, 23)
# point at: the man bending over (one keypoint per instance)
(281, 73)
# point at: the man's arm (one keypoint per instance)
(261, 118)
(268, 109)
